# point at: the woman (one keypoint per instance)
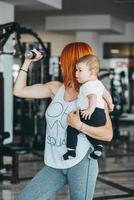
(81, 172)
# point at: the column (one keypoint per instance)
(93, 39)
(6, 62)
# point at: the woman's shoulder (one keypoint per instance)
(54, 86)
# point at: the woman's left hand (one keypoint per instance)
(73, 119)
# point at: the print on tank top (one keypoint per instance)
(57, 114)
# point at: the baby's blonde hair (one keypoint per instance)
(91, 61)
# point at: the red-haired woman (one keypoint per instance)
(79, 173)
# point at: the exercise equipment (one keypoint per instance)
(117, 90)
(26, 112)
(14, 28)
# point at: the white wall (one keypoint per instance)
(58, 41)
(128, 35)
(84, 23)
(6, 12)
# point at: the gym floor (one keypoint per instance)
(115, 180)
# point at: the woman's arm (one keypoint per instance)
(34, 91)
(104, 133)
(107, 97)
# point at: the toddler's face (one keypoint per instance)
(82, 73)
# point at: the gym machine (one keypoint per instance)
(26, 112)
(119, 73)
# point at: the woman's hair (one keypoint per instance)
(69, 56)
(91, 61)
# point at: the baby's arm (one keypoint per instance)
(92, 104)
(108, 99)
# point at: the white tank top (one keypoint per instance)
(55, 147)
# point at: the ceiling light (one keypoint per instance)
(114, 51)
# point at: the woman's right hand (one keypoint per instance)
(28, 61)
(39, 56)
(73, 119)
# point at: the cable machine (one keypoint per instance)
(28, 113)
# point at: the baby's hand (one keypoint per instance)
(85, 114)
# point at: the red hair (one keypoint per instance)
(69, 56)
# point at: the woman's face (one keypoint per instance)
(82, 73)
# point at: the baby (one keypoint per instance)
(92, 112)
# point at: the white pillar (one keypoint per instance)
(93, 39)
(6, 12)
(6, 16)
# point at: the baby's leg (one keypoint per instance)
(97, 152)
(97, 119)
(71, 143)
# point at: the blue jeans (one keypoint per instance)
(80, 178)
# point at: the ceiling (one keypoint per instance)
(123, 9)
(30, 5)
